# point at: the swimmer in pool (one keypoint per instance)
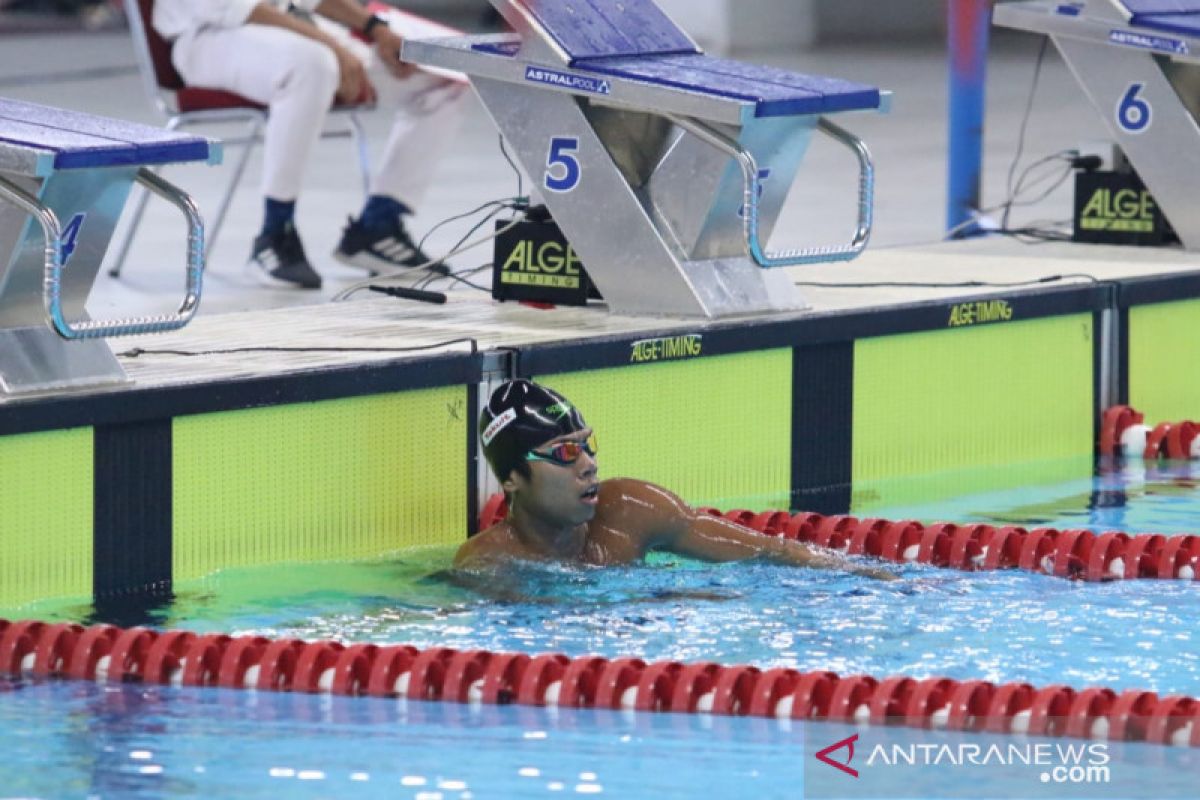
(544, 455)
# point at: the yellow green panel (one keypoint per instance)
(713, 430)
(46, 519)
(340, 479)
(945, 413)
(1164, 350)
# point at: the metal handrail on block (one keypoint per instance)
(64, 178)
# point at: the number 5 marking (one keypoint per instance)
(1133, 113)
(561, 159)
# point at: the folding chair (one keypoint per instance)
(185, 105)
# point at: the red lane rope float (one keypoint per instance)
(1073, 554)
(1113, 423)
(1179, 440)
(1173, 440)
(105, 653)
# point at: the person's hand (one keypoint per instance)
(387, 44)
(354, 87)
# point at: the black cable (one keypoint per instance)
(138, 351)
(465, 237)
(959, 285)
(439, 269)
(1056, 182)
(459, 277)
(511, 163)
(1065, 156)
(1012, 169)
(503, 204)
(406, 293)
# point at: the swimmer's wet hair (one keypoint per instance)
(520, 416)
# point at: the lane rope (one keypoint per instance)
(104, 653)
(1075, 554)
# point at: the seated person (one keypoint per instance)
(544, 455)
(297, 64)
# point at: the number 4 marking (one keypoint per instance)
(69, 236)
(561, 159)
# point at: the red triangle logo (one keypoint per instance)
(848, 743)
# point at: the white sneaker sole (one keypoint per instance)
(264, 278)
(377, 266)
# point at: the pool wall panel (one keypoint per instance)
(715, 430)
(950, 412)
(1164, 360)
(46, 515)
(340, 479)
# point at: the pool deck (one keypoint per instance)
(905, 246)
(368, 329)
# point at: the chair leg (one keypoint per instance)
(359, 135)
(231, 185)
(139, 208)
(253, 134)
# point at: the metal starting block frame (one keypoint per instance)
(1138, 61)
(665, 168)
(64, 179)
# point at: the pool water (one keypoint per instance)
(82, 740)
(998, 626)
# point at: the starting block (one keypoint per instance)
(1138, 61)
(64, 179)
(665, 168)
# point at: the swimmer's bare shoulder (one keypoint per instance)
(640, 500)
(486, 549)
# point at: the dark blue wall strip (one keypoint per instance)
(132, 511)
(822, 423)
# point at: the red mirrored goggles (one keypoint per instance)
(564, 453)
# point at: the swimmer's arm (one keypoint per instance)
(673, 525)
(717, 539)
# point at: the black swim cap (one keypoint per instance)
(519, 416)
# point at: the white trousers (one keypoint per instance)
(297, 78)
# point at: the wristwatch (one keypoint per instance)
(370, 24)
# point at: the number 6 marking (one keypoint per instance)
(1133, 113)
(561, 155)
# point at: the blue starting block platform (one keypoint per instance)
(1138, 61)
(665, 168)
(64, 179)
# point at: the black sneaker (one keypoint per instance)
(381, 251)
(278, 260)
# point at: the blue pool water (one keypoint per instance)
(82, 740)
(75, 740)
